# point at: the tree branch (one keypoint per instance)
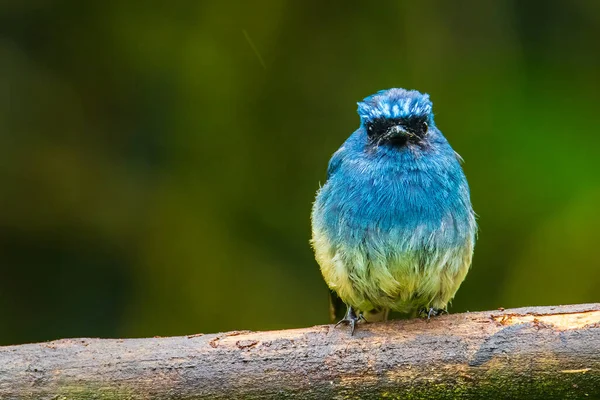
(526, 353)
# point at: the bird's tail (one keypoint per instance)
(376, 314)
(337, 310)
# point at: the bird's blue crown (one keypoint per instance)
(394, 103)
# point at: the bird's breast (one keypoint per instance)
(404, 206)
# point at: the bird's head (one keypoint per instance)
(396, 117)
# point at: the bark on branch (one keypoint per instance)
(525, 353)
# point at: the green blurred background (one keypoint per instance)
(159, 159)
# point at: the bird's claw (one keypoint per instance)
(433, 312)
(351, 319)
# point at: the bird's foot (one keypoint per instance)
(433, 312)
(351, 319)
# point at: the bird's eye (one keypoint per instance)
(418, 126)
(370, 130)
(375, 127)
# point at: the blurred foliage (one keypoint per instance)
(157, 178)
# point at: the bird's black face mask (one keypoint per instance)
(397, 131)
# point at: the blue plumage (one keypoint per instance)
(393, 226)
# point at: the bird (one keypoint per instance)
(393, 227)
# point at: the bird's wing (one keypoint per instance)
(335, 162)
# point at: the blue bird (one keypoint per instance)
(393, 227)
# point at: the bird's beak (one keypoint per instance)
(397, 131)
